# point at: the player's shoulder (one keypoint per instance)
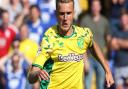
(82, 30)
(51, 31)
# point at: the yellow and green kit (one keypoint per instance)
(62, 58)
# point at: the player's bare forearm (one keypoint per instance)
(33, 74)
(36, 74)
(95, 50)
(97, 53)
(86, 63)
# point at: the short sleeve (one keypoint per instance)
(43, 54)
(89, 37)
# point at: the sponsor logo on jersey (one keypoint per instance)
(70, 57)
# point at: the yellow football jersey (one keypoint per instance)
(62, 58)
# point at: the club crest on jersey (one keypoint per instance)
(80, 42)
(70, 57)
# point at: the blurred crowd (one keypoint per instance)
(24, 22)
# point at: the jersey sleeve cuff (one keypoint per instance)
(37, 65)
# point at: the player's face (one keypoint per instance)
(65, 14)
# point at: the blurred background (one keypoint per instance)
(22, 26)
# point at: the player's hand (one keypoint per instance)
(43, 75)
(86, 63)
(109, 79)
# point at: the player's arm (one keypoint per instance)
(86, 63)
(96, 52)
(36, 73)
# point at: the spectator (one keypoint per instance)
(15, 78)
(119, 43)
(7, 35)
(35, 24)
(15, 49)
(27, 46)
(23, 15)
(47, 8)
(14, 8)
(26, 6)
(23, 61)
(99, 25)
(115, 11)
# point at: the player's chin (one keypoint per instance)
(65, 28)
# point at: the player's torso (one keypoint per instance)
(67, 55)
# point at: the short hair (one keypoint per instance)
(63, 1)
(34, 6)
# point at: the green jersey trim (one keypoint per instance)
(48, 67)
(37, 66)
(73, 27)
(70, 35)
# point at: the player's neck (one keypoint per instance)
(69, 32)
